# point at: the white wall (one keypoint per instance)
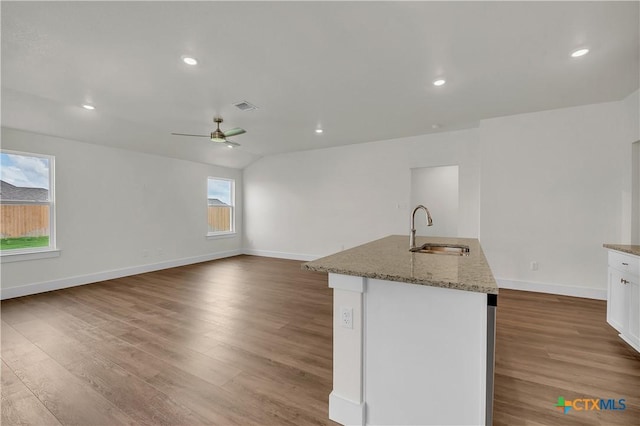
(632, 108)
(635, 194)
(313, 203)
(111, 205)
(631, 111)
(437, 189)
(554, 185)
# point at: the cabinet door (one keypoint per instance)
(633, 325)
(616, 300)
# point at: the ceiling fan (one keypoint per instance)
(218, 135)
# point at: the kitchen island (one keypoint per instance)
(413, 337)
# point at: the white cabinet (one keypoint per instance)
(623, 296)
(633, 332)
(616, 300)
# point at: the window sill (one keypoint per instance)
(221, 235)
(31, 255)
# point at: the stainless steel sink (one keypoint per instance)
(450, 249)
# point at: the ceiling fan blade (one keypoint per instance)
(235, 131)
(186, 134)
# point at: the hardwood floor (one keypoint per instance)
(555, 346)
(248, 340)
(245, 340)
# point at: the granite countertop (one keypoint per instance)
(389, 258)
(625, 248)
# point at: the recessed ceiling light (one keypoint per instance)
(89, 107)
(439, 82)
(189, 60)
(579, 52)
(319, 130)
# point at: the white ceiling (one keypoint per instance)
(360, 70)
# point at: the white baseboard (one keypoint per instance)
(630, 342)
(559, 289)
(281, 255)
(344, 411)
(41, 287)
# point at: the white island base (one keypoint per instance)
(415, 355)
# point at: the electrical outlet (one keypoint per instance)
(534, 265)
(346, 317)
(145, 253)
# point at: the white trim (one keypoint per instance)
(346, 282)
(221, 235)
(25, 290)
(559, 289)
(629, 342)
(281, 255)
(344, 411)
(8, 257)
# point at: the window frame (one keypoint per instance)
(13, 255)
(232, 232)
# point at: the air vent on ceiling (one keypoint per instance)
(245, 106)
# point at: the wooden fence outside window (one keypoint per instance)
(219, 219)
(33, 221)
(24, 220)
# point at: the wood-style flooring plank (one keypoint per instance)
(69, 399)
(19, 405)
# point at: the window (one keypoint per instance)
(220, 205)
(26, 203)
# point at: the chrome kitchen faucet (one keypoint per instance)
(412, 237)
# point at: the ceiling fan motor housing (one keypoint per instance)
(217, 134)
